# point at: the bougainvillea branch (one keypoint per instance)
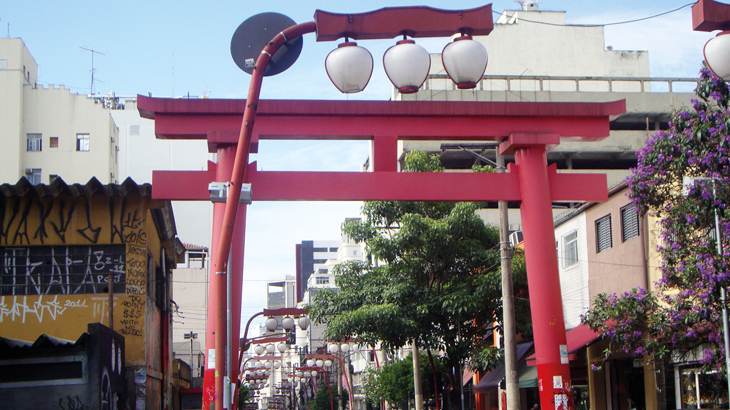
(682, 313)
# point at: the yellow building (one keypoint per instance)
(61, 246)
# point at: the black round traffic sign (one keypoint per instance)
(252, 36)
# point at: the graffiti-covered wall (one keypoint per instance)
(60, 248)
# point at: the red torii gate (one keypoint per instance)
(526, 130)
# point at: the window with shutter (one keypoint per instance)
(603, 234)
(629, 223)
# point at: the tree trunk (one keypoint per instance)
(418, 389)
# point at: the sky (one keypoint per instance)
(180, 48)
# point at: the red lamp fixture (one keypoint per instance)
(465, 61)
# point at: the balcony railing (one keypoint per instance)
(526, 83)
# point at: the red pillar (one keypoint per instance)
(224, 167)
(553, 369)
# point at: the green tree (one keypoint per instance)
(323, 400)
(394, 382)
(435, 278)
(683, 313)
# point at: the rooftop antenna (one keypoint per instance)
(92, 65)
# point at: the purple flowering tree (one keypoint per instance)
(683, 313)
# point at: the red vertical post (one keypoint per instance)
(226, 155)
(236, 271)
(553, 369)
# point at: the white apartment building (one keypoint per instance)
(50, 132)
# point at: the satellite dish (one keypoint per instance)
(252, 36)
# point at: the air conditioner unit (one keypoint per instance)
(515, 238)
(28, 171)
(117, 148)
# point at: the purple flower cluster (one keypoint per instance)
(683, 312)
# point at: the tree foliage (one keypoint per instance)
(323, 399)
(394, 382)
(683, 314)
(433, 278)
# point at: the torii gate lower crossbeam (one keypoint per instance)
(526, 130)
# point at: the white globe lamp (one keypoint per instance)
(349, 67)
(717, 55)
(406, 65)
(465, 61)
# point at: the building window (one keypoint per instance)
(52, 177)
(629, 223)
(333, 249)
(323, 280)
(570, 249)
(53, 142)
(33, 175)
(35, 142)
(603, 234)
(82, 142)
(319, 249)
(319, 261)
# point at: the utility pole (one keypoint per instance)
(509, 332)
(192, 336)
(92, 65)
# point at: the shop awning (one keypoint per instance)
(492, 378)
(576, 339)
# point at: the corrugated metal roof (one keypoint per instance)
(43, 341)
(162, 217)
(58, 187)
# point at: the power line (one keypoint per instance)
(606, 24)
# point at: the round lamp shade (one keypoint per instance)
(287, 323)
(259, 349)
(717, 55)
(345, 348)
(465, 61)
(258, 364)
(310, 362)
(277, 365)
(272, 324)
(349, 67)
(270, 348)
(355, 348)
(268, 365)
(303, 322)
(281, 347)
(334, 348)
(327, 363)
(407, 65)
(319, 362)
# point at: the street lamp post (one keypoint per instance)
(383, 24)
